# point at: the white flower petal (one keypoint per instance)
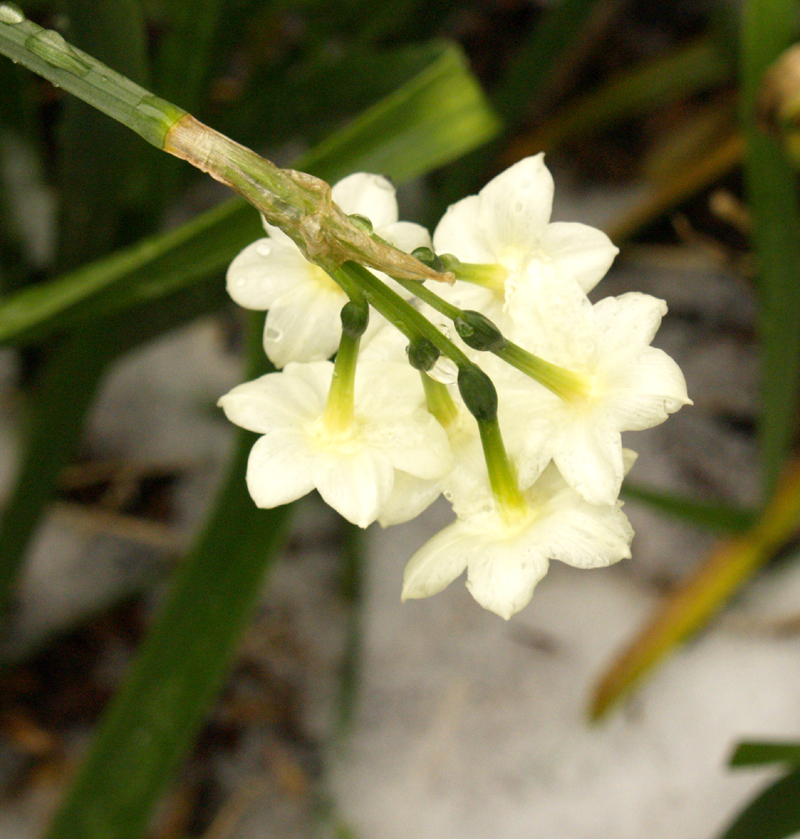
(279, 468)
(356, 484)
(405, 235)
(578, 252)
(410, 496)
(585, 535)
(629, 321)
(589, 456)
(368, 195)
(304, 325)
(264, 271)
(436, 564)
(647, 391)
(279, 400)
(515, 207)
(459, 233)
(501, 576)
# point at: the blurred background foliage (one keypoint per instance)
(106, 243)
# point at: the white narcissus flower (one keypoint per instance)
(508, 223)
(505, 559)
(629, 386)
(303, 301)
(354, 468)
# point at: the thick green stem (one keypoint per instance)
(45, 52)
(297, 203)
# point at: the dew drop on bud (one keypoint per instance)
(445, 371)
(272, 334)
(263, 248)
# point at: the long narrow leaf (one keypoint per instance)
(768, 28)
(687, 610)
(775, 814)
(759, 753)
(154, 718)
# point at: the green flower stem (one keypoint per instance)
(438, 400)
(338, 415)
(568, 385)
(397, 311)
(501, 473)
(46, 53)
(299, 204)
(492, 276)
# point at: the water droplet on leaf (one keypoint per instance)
(9, 13)
(51, 47)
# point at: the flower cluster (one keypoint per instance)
(516, 418)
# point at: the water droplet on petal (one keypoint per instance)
(240, 282)
(9, 13)
(263, 248)
(445, 371)
(448, 495)
(272, 334)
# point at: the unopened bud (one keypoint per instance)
(422, 354)
(427, 257)
(478, 332)
(355, 317)
(478, 392)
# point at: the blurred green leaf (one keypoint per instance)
(687, 609)
(755, 753)
(96, 154)
(774, 814)
(405, 135)
(714, 516)
(153, 719)
(768, 27)
(696, 67)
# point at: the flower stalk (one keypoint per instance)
(297, 203)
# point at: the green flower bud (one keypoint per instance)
(478, 392)
(478, 332)
(355, 317)
(427, 257)
(422, 354)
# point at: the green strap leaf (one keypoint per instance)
(775, 813)
(768, 27)
(756, 753)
